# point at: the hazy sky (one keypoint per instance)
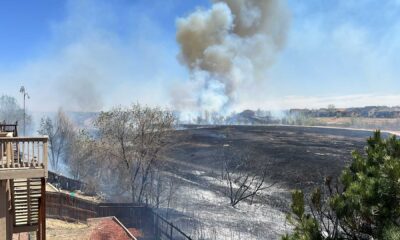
(90, 55)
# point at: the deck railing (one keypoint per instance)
(23, 152)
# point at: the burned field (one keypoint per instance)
(297, 157)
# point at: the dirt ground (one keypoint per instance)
(96, 228)
(298, 158)
(61, 230)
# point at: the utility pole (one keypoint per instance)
(25, 95)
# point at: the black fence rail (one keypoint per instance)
(68, 207)
(164, 229)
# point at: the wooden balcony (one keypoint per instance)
(22, 157)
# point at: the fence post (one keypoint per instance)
(59, 209)
(172, 227)
(157, 227)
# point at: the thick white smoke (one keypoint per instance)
(231, 44)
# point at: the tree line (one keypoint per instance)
(122, 154)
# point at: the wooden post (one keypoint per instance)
(60, 204)
(1, 154)
(12, 201)
(45, 157)
(3, 210)
(28, 190)
(10, 215)
(5, 221)
(43, 207)
(39, 229)
(41, 233)
(8, 154)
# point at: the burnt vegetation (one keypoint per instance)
(136, 156)
(242, 174)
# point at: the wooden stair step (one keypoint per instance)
(24, 182)
(22, 189)
(17, 196)
(26, 214)
(20, 203)
(25, 211)
(24, 223)
(26, 194)
(21, 211)
(25, 218)
(32, 196)
(23, 204)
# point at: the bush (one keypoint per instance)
(363, 204)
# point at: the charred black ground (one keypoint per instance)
(299, 157)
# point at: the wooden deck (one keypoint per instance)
(23, 173)
(23, 157)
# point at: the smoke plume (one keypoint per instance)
(230, 44)
(80, 90)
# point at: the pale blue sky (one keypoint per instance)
(344, 52)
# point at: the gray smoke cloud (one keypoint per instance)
(230, 44)
(80, 90)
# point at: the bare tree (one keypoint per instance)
(84, 162)
(80, 155)
(244, 176)
(132, 139)
(161, 189)
(60, 132)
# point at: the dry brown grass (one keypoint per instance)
(77, 194)
(392, 124)
(61, 230)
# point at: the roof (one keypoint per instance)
(109, 228)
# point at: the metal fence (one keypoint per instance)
(153, 226)
(165, 230)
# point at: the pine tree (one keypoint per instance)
(363, 204)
